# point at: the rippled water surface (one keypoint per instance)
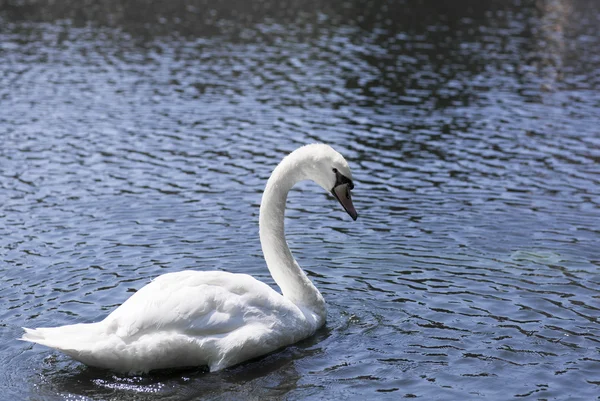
(136, 139)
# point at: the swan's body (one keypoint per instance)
(215, 318)
(188, 318)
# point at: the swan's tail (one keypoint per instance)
(74, 340)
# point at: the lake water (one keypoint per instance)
(137, 137)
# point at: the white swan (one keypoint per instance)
(214, 318)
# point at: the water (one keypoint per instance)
(137, 139)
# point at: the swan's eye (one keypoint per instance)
(335, 170)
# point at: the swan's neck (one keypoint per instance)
(288, 275)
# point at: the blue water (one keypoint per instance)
(136, 140)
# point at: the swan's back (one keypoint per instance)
(189, 318)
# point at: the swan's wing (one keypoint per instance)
(197, 304)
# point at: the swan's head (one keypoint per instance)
(331, 171)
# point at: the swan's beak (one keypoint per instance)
(342, 194)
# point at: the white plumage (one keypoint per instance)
(215, 318)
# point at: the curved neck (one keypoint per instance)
(288, 275)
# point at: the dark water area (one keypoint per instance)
(137, 137)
